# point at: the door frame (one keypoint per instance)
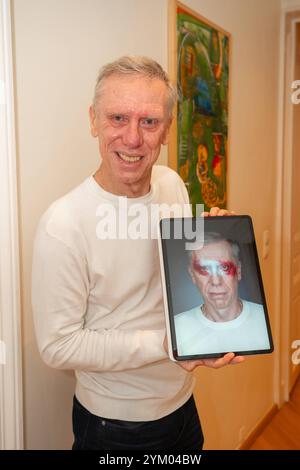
(294, 22)
(11, 399)
(283, 208)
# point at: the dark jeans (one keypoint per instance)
(181, 430)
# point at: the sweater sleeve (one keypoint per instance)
(60, 289)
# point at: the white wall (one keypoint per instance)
(59, 46)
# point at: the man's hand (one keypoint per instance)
(217, 211)
(229, 358)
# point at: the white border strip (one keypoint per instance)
(11, 406)
(278, 398)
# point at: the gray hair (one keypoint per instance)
(214, 237)
(138, 65)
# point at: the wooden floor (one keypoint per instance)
(283, 431)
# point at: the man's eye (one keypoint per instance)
(228, 268)
(149, 122)
(202, 270)
(118, 118)
(225, 268)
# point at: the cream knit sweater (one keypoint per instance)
(98, 305)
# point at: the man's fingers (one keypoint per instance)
(214, 211)
(229, 358)
(223, 361)
(217, 211)
(237, 360)
(223, 212)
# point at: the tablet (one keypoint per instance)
(213, 291)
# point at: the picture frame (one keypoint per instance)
(199, 62)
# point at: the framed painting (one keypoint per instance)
(199, 62)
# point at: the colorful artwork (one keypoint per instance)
(202, 114)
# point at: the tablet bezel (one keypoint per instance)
(167, 297)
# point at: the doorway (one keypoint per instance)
(290, 219)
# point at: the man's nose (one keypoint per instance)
(133, 136)
(216, 279)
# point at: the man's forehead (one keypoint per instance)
(134, 106)
(214, 250)
(133, 86)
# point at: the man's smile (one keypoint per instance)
(129, 158)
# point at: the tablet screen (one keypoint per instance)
(213, 290)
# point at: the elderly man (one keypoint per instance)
(223, 322)
(97, 301)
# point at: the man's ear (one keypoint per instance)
(191, 272)
(239, 271)
(165, 139)
(93, 123)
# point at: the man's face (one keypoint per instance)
(131, 123)
(216, 273)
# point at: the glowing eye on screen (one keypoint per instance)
(228, 268)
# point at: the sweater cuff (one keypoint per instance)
(153, 345)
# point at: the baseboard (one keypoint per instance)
(258, 429)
